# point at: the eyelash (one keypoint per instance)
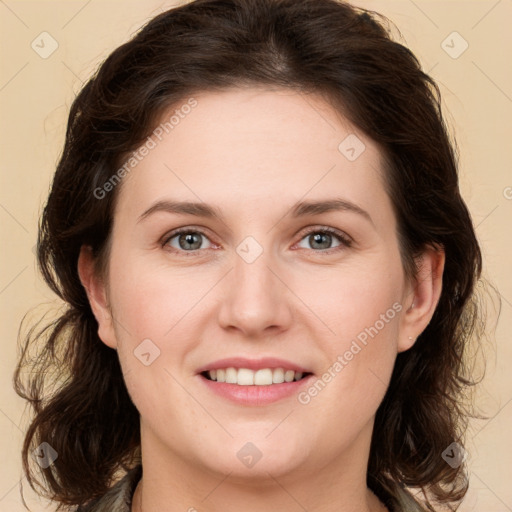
(345, 240)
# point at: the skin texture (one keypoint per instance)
(253, 154)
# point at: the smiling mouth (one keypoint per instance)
(248, 377)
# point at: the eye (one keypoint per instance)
(186, 240)
(322, 239)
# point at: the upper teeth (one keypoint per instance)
(246, 377)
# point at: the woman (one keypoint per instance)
(269, 270)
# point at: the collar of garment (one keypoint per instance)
(119, 497)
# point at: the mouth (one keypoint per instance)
(250, 377)
(254, 382)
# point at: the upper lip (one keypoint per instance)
(253, 364)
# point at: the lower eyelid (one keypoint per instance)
(166, 240)
(344, 241)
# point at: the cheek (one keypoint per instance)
(362, 309)
(352, 299)
(153, 338)
(149, 300)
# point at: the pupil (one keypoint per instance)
(317, 238)
(189, 240)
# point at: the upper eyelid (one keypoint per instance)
(343, 237)
(178, 231)
(319, 228)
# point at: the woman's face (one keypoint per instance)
(254, 178)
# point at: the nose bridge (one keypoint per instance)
(253, 278)
(255, 298)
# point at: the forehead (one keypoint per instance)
(255, 144)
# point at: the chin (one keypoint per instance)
(259, 460)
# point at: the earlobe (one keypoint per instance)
(421, 302)
(97, 295)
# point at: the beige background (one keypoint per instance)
(35, 95)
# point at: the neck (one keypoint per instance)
(171, 484)
(372, 503)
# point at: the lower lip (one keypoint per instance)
(256, 395)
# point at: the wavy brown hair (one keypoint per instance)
(325, 47)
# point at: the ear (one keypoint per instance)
(423, 296)
(97, 295)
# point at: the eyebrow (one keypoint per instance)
(318, 207)
(301, 209)
(184, 208)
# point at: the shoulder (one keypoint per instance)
(399, 498)
(119, 497)
(405, 502)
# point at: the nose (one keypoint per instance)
(256, 300)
